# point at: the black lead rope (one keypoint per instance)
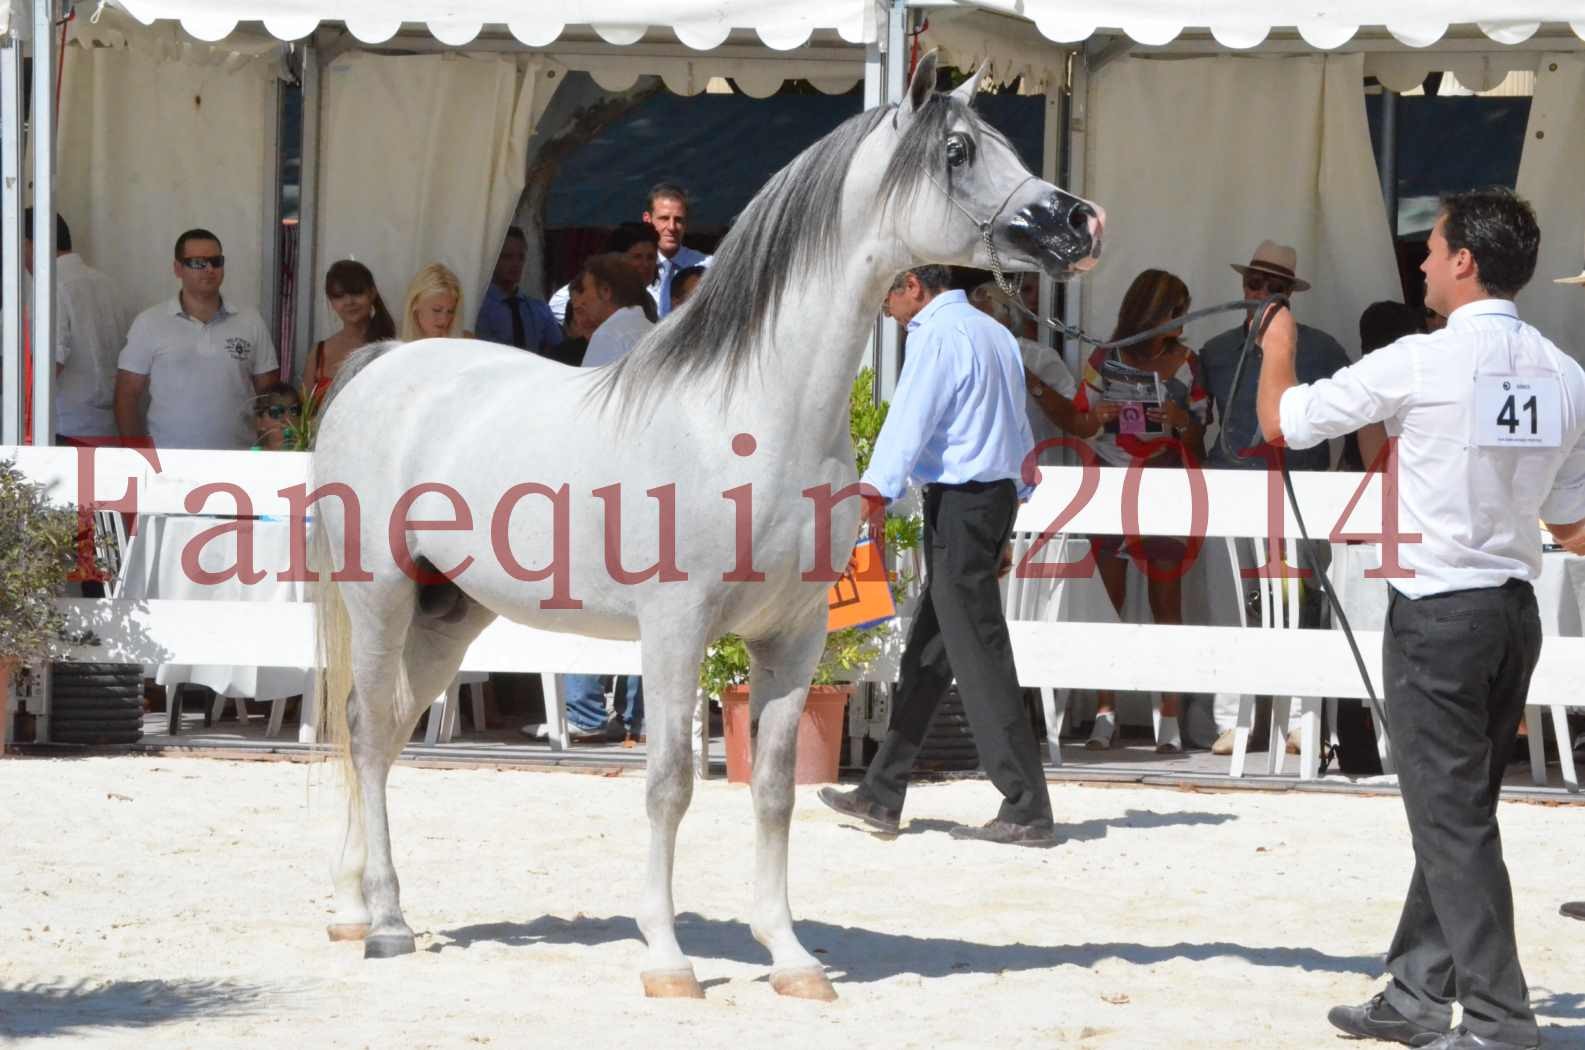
(1251, 340)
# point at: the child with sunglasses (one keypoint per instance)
(277, 419)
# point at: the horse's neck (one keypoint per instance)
(817, 341)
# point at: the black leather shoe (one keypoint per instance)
(1573, 910)
(861, 808)
(1040, 833)
(1378, 1020)
(1464, 1039)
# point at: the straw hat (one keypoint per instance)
(1275, 260)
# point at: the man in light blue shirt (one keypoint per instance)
(667, 211)
(957, 426)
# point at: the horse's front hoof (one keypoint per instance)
(806, 983)
(388, 945)
(347, 931)
(671, 984)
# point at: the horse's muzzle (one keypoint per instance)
(1061, 232)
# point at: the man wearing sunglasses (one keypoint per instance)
(1271, 271)
(198, 359)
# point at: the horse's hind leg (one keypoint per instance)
(430, 652)
(781, 668)
(673, 648)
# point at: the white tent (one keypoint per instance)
(1246, 123)
(1108, 54)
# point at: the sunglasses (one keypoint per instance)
(278, 411)
(1257, 283)
(205, 262)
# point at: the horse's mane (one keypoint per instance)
(788, 233)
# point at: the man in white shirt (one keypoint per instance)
(90, 325)
(610, 302)
(1489, 419)
(199, 360)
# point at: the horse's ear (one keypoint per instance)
(966, 90)
(923, 85)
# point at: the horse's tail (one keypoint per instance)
(333, 658)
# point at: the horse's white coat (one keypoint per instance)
(483, 419)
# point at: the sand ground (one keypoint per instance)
(181, 902)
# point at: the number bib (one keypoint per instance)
(1518, 411)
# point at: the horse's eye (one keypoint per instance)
(959, 151)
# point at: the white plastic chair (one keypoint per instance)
(444, 712)
(1565, 744)
(1279, 600)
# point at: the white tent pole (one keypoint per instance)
(11, 235)
(42, 327)
(270, 246)
(307, 285)
(1078, 162)
(885, 66)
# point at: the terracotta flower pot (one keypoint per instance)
(819, 734)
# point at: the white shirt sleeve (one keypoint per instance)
(64, 343)
(1565, 504)
(1378, 387)
(138, 355)
(1046, 365)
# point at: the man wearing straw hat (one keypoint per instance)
(1272, 270)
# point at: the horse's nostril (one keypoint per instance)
(1079, 218)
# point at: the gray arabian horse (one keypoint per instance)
(701, 447)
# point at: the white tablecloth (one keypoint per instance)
(153, 569)
(1559, 593)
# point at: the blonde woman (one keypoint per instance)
(434, 302)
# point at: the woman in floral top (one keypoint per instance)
(1145, 403)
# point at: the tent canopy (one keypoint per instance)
(704, 24)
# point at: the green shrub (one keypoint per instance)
(38, 550)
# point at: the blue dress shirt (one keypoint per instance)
(958, 414)
(667, 269)
(540, 328)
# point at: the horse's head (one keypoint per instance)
(977, 185)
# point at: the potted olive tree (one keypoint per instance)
(848, 652)
(38, 550)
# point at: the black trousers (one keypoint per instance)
(1457, 669)
(960, 630)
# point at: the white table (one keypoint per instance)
(153, 569)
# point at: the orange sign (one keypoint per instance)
(863, 596)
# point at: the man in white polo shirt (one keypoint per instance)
(1489, 419)
(199, 360)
